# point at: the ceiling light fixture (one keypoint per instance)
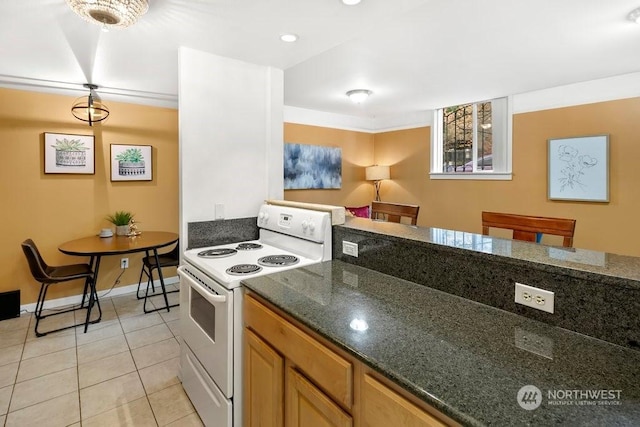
(359, 95)
(89, 108)
(110, 13)
(634, 15)
(351, 2)
(289, 37)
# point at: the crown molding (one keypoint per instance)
(77, 89)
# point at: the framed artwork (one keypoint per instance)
(579, 168)
(131, 163)
(65, 153)
(312, 167)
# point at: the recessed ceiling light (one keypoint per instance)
(359, 95)
(289, 37)
(351, 2)
(634, 15)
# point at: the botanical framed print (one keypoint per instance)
(131, 162)
(67, 153)
(579, 168)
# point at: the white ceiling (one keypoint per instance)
(414, 55)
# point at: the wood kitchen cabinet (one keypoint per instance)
(382, 407)
(264, 383)
(294, 378)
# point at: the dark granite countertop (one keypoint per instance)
(466, 359)
(581, 263)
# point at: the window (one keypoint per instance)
(472, 141)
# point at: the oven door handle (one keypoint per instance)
(206, 294)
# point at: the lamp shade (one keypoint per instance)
(376, 173)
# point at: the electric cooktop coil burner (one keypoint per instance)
(248, 246)
(243, 269)
(278, 260)
(217, 253)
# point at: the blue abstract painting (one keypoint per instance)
(312, 167)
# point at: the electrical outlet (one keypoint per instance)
(350, 248)
(539, 299)
(124, 263)
(219, 211)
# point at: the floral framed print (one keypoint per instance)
(579, 168)
(65, 153)
(131, 162)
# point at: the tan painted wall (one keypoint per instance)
(457, 204)
(52, 209)
(611, 227)
(357, 153)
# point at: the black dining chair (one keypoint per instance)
(149, 263)
(50, 275)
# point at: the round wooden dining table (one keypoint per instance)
(96, 247)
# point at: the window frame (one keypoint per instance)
(501, 150)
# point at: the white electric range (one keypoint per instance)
(211, 303)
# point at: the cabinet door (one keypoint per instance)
(263, 383)
(307, 406)
(383, 407)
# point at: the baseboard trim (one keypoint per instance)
(76, 299)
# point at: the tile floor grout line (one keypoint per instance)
(162, 321)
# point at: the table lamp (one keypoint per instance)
(376, 174)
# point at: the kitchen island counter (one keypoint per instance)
(464, 358)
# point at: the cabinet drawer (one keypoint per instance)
(325, 368)
(382, 407)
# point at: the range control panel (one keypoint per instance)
(304, 223)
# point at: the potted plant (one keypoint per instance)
(130, 162)
(121, 219)
(70, 152)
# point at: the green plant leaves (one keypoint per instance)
(69, 145)
(120, 218)
(133, 155)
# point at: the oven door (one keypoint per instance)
(206, 325)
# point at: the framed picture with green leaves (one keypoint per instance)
(131, 162)
(65, 153)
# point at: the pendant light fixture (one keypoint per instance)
(110, 13)
(90, 108)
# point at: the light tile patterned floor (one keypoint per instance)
(122, 372)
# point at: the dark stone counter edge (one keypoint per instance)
(540, 266)
(448, 410)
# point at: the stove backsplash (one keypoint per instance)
(221, 232)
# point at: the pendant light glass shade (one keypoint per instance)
(110, 13)
(90, 108)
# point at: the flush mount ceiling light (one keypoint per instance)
(634, 15)
(351, 2)
(89, 108)
(288, 37)
(110, 13)
(359, 95)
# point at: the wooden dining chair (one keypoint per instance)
(530, 228)
(48, 275)
(393, 212)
